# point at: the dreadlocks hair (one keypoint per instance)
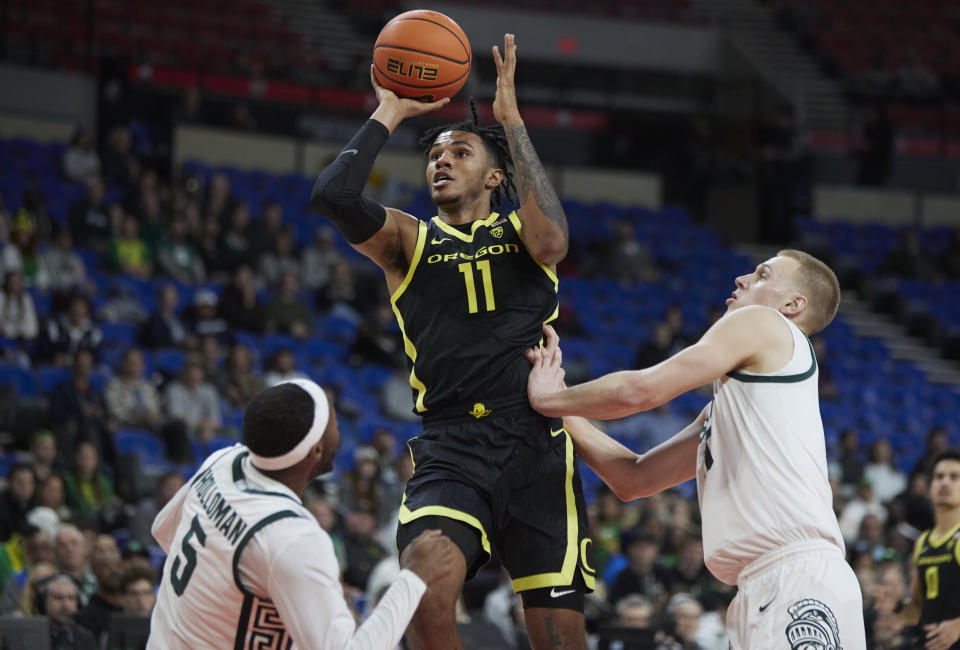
(495, 140)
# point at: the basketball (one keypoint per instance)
(422, 55)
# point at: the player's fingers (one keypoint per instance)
(497, 59)
(552, 339)
(558, 357)
(432, 106)
(510, 51)
(373, 78)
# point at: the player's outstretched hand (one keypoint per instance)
(505, 102)
(546, 376)
(942, 636)
(432, 556)
(403, 107)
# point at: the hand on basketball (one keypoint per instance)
(547, 374)
(505, 103)
(394, 109)
(942, 636)
(432, 556)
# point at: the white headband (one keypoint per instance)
(321, 414)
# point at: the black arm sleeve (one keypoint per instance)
(338, 192)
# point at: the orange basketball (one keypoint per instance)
(422, 55)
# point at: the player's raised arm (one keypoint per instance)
(735, 341)
(544, 222)
(372, 229)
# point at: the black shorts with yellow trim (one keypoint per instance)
(511, 474)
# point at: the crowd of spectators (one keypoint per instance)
(76, 539)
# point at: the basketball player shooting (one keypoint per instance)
(757, 452)
(472, 288)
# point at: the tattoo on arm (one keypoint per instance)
(532, 181)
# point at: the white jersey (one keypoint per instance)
(762, 464)
(249, 567)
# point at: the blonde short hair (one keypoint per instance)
(819, 284)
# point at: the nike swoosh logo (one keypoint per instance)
(439, 241)
(349, 151)
(556, 594)
(557, 432)
(763, 607)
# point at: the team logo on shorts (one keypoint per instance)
(814, 627)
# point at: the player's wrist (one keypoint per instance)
(389, 113)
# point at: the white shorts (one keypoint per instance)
(803, 596)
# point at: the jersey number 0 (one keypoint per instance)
(467, 269)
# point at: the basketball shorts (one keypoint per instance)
(511, 475)
(801, 596)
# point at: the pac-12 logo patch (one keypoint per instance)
(814, 627)
(497, 232)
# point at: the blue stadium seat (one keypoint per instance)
(19, 378)
(168, 360)
(140, 443)
(48, 377)
(119, 334)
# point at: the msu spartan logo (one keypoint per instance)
(814, 627)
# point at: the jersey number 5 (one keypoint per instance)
(179, 578)
(467, 269)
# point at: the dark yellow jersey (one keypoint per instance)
(472, 301)
(937, 561)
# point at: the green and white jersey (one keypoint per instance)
(762, 464)
(249, 567)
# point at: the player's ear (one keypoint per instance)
(494, 178)
(794, 306)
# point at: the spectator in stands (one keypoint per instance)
(61, 600)
(887, 480)
(908, 259)
(689, 573)
(52, 493)
(319, 258)
(89, 492)
(237, 247)
(37, 549)
(341, 295)
(208, 245)
(850, 459)
(193, 405)
(286, 312)
(827, 387)
(627, 259)
(133, 401)
(212, 359)
(80, 160)
(913, 506)
(326, 516)
(378, 341)
(78, 411)
(120, 166)
(265, 230)
(241, 383)
(240, 306)
(62, 267)
(360, 487)
(66, 335)
(128, 252)
(283, 367)
(147, 509)
(177, 256)
(658, 348)
(362, 550)
(28, 603)
(107, 601)
(17, 500)
(863, 503)
(218, 198)
(20, 254)
(641, 575)
(139, 591)
(151, 217)
(683, 619)
(89, 223)
(634, 610)
(71, 553)
(936, 441)
(18, 316)
(280, 259)
(205, 320)
(43, 453)
(164, 328)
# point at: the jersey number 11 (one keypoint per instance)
(467, 269)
